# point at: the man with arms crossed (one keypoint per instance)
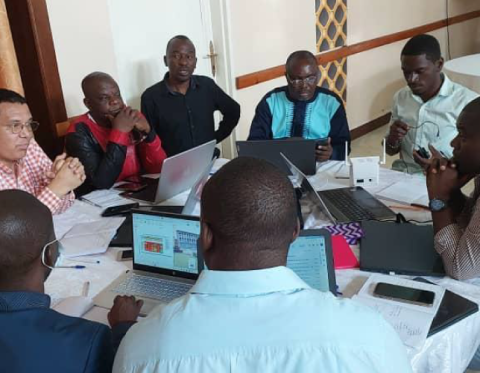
(248, 312)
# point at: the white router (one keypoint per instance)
(364, 171)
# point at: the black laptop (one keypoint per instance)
(400, 248)
(300, 151)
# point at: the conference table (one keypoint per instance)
(465, 71)
(447, 351)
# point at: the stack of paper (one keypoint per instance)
(412, 322)
(105, 198)
(412, 191)
(90, 238)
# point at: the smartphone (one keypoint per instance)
(321, 142)
(131, 187)
(123, 255)
(404, 294)
(119, 210)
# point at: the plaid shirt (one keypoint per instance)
(30, 176)
(459, 243)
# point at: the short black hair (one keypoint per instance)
(473, 109)
(11, 97)
(91, 77)
(251, 204)
(26, 226)
(423, 44)
(177, 37)
(300, 55)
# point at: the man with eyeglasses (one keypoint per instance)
(24, 165)
(302, 109)
(181, 107)
(426, 111)
(33, 337)
(113, 141)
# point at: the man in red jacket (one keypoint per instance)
(113, 141)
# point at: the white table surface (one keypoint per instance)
(465, 71)
(447, 351)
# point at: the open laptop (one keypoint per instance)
(123, 237)
(300, 151)
(310, 257)
(400, 248)
(166, 262)
(179, 173)
(343, 204)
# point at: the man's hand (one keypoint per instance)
(70, 176)
(324, 152)
(425, 163)
(398, 131)
(125, 309)
(141, 123)
(56, 166)
(125, 120)
(443, 179)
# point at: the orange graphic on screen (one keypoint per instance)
(153, 247)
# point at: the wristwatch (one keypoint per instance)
(437, 205)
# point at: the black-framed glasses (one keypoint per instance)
(312, 79)
(18, 127)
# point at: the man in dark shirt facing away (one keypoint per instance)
(181, 106)
(33, 337)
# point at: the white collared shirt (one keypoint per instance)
(261, 321)
(432, 122)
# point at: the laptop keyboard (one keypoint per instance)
(152, 287)
(344, 202)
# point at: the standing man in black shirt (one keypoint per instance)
(181, 106)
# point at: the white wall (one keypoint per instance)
(264, 33)
(83, 43)
(126, 41)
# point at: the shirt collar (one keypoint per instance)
(167, 89)
(22, 300)
(445, 90)
(248, 283)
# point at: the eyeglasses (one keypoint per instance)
(312, 79)
(50, 254)
(18, 127)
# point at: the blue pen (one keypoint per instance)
(73, 267)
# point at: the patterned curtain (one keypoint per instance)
(9, 72)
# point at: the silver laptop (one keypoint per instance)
(179, 173)
(166, 262)
(344, 204)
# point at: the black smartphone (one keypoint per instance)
(131, 187)
(119, 210)
(404, 294)
(321, 142)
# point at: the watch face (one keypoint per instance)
(437, 205)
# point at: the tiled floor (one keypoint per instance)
(370, 145)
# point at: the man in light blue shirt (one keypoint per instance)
(425, 112)
(249, 313)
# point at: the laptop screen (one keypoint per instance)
(310, 259)
(165, 242)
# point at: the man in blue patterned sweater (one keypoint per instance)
(302, 109)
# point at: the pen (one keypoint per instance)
(73, 267)
(84, 261)
(90, 202)
(410, 208)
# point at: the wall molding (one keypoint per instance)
(370, 126)
(248, 80)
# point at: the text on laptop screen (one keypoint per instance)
(308, 259)
(165, 242)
